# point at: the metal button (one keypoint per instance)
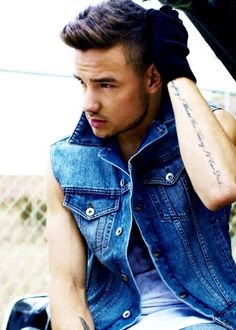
(122, 182)
(170, 177)
(183, 295)
(126, 314)
(157, 254)
(119, 231)
(124, 278)
(90, 211)
(139, 207)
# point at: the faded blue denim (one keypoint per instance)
(189, 244)
(204, 326)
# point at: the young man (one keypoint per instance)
(139, 195)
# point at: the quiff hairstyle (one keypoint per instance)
(110, 23)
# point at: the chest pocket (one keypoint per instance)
(169, 188)
(94, 212)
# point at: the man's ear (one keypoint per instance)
(153, 80)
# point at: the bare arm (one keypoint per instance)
(67, 262)
(208, 147)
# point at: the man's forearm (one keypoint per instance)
(208, 154)
(69, 310)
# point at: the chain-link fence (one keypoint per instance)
(23, 247)
(233, 229)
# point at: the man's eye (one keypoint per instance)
(106, 85)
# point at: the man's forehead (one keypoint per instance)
(101, 56)
(108, 60)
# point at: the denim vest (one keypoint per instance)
(188, 244)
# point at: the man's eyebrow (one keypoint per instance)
(104, 79)
(76, 77)
(99, 80)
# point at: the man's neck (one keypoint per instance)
(128, 149)
(130, 142)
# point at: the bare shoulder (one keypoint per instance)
(228, 122)
(58, 214)
(67, 251)
(53, 189)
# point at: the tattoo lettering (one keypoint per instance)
(84, 324)
(199, 135)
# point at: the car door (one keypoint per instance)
(216, 21)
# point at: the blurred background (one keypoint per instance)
(40, 103)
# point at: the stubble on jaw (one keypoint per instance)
(115, 133)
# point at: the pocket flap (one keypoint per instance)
(91, 204)
(167, 174)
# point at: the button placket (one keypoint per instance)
(139, 207)
(157, 254)
(183, 295)
(119, 231)
(124, 278)
(122, 183)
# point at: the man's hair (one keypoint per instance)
(110, 23)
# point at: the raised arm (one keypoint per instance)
(67, 263)
(207, 144)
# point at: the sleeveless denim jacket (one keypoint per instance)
(189, 244)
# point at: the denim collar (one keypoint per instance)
(83, 134)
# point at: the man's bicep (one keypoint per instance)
(228, 123)
(67, 254)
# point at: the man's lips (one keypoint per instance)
(96, 123)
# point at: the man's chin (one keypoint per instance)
(102, 135)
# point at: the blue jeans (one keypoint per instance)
(204, 326)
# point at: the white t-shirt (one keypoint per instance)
(160, 308)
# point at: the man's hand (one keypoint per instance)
(168, 44)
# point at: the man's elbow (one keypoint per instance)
(218, 198)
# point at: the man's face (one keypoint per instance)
(115, 98)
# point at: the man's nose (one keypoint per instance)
(91, 102)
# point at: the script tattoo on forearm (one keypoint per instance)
(84, 324)
(200, 136)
